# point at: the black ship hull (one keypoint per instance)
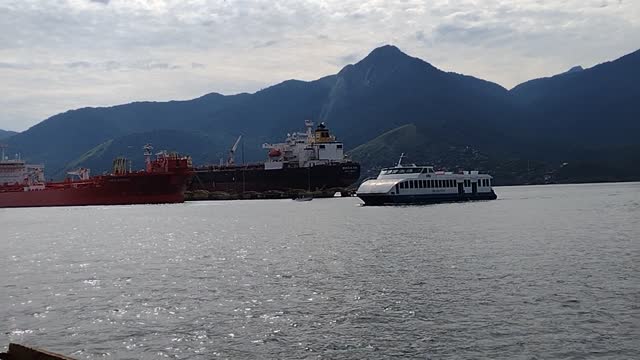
(244, 178)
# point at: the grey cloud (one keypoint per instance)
(343, 60)
(78, 64)
(471, 34)
(15, 66)
(266, 44)
(105, 2)
(198, 66)
(112, 65)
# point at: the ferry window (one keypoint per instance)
(424, 184)
(339, 146)
(410, 184)
(321, 146)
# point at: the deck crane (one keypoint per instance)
(231, 158)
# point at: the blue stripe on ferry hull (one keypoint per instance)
(385, 199)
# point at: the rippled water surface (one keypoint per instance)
(543, 272)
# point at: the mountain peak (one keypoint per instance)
(574, 69)
(385, 54)
(387, 50)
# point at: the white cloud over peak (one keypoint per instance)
(72, 53)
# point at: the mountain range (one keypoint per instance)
(581, 125)
(6, 133)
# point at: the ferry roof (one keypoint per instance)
(407, 170)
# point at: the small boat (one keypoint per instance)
(413, 184)
(304, 198)
(21, 352)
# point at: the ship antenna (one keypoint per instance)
(3, 146)
(402, 156)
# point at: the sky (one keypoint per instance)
(57, 55)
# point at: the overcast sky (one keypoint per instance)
(57, 55)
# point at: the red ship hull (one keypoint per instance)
(130, 188)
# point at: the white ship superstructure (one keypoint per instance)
(410, 184)
(16, 172)
(305, 149)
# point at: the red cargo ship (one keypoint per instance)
(164, 180)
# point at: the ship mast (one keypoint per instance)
(402, 156)
(147, 156)
(309, 125)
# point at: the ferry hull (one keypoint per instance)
(386, 199)
(136, 188)
(238, 179)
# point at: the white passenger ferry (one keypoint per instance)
(413, 184)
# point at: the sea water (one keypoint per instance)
(543, 272)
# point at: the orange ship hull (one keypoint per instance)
(131, 188)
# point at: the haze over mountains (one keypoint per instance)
(582, 125)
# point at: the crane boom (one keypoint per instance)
(231, 159)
